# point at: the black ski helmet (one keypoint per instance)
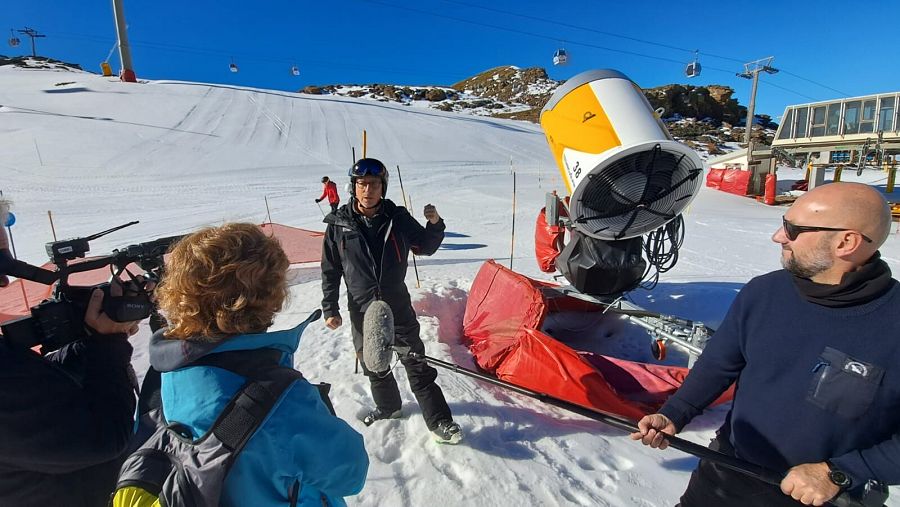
(371, 167)
(324, 179)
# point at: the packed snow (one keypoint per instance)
(177, 156)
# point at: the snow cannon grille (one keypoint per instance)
(636, 194)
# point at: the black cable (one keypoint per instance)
(661, 250)
(593, 30)
(843, 94)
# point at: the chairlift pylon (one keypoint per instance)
(560, 57)
(693, 68)
(13, 40)
(295, 70)
(233, 67)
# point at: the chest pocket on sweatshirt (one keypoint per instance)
(843, 385)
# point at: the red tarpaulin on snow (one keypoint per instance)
(733, 181)
(300, 245)
(503, 319)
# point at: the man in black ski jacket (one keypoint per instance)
(815, 355)
(367, 242)
(66, 418)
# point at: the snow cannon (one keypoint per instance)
(624, 172)
(626, 177)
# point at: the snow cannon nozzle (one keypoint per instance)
(626, 175)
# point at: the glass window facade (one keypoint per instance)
(886, 114)
(851, 118)
(867, 121)
(818, 122)
(833, 120)
(860, 117)
(785, 131)
(802, 121)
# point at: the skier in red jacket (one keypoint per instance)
(330, 190)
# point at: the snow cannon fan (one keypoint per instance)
(626, 175)
(378, 337)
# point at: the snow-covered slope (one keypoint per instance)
(176, 156)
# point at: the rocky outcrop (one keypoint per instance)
(703, 115)
(38, 62)
(713, 101)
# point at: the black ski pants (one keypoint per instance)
(715, 485)
(421, 377)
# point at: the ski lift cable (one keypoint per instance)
(542, 36)
(244, 57)
(584, 44)
(533, 34)
(592, 30)
(769, 83)
(843, 94)
(255, 58)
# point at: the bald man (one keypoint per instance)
(814, 350)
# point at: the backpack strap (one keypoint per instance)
(242, 362)
(251, 405)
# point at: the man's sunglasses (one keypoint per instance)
(792, 231)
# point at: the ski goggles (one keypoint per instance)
(367, 166)
(792, 230)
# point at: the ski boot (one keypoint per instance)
(378, 414)
(447, 432)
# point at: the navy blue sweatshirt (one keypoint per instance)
(813, 383)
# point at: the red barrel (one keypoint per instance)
(770, 189)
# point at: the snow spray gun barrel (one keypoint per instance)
(625, 173)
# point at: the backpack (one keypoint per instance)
(170, 468)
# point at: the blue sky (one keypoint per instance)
(444, 41)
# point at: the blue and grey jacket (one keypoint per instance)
(300, 441)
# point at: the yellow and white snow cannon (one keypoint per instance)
(625, 173)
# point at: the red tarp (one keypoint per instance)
(300, 246)
(548, 240)
(733, 181)
(504, 315)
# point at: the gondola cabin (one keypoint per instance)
(560, 57)
(692, 69)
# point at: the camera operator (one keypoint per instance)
(65, 418)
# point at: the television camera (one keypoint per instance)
(59, 320)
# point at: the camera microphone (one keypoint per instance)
(378, 337)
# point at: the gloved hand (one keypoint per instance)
(318, 201)
(431, 214)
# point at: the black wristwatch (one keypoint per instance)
(839, 478)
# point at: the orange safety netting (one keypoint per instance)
(300, 245)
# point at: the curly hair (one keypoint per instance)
(223, 281)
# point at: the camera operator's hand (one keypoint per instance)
(100, 322)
